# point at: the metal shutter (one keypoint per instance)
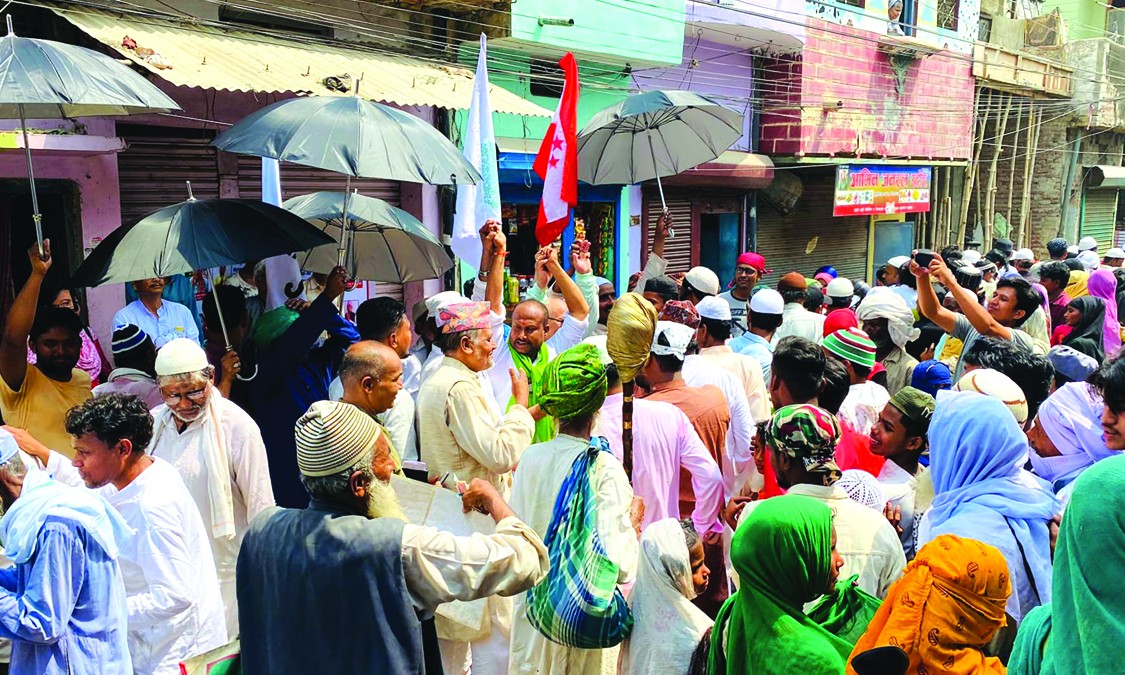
(678, 249)
(156, 163)
(1099, 215)
(842, 242)
(297, 179)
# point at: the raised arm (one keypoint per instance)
(928, 303)
(576, 305)
(967, 300)
(13, 342)
(497, 243)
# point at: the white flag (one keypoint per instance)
(280, 269)
(481, 202)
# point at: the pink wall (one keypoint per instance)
(930, 119)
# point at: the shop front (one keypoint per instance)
(1100, 204)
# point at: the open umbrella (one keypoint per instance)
(41, 79)
(352, 136)
(388, 244)
(194, 235)
(654, 134)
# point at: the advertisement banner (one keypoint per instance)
(874, 190)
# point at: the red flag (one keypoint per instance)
(557, 161)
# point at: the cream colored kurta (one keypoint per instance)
(537, 483)
(460, 432)
(248, 472)
(748, 371)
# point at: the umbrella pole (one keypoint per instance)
(219, 310)
(659, 187)
(342, 251)
(35, 216)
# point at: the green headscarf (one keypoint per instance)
(1077, 633)
(544, 428)
(782, 552)
(272, 325)
(574, 384)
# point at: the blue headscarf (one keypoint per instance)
(980, 490)
(931, 377)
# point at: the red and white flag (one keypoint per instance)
(557, 161)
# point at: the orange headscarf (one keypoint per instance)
(944, 609)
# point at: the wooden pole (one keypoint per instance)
(971, 170)
(1012, 176)
(1035, 125)
(947, 202)
(990, 195)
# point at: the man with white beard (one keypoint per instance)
(343, 586)
(217, 449)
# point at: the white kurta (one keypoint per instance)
(540, 476)
(249, 475)
(171, 589)
(900, 487)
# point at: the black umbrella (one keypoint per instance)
(194, 235)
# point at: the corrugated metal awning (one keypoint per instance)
(198, 55)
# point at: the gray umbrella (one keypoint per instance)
(42, 79)
(388, 244)
(352, 136)
(654, 134)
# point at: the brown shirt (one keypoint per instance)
(707, 409)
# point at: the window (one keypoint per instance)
(984, 28)
(853, 3)
(947, 14)
(546, 79)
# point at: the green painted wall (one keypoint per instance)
(1084, 19)
(602, 85)
(636, 31)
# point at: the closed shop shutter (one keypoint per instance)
(678, 249)
(297, 179)
(1099, 215)
(783, 239)
(156, 163)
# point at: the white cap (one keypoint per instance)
(840, 288)
(1114, 253)
(182, 355)
(435, 302)
(1072, 249)
(1089, 259)
(1023, 254)
(703, 280)
(970, 256)
(1087, 244)
(713, 307)
(678, 336)
(898, 260)
(767, 301)
(600, 342)
(997, 385)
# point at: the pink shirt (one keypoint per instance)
(664, 440)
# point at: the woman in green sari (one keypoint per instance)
(1080, 632)
(785, 554)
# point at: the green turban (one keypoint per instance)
(574, 384)
(272, 325)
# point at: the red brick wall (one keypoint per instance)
(931, 118)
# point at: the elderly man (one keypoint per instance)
(525, 346)
(890, 324)
(36, 397)
(62, 604)
(371, 377)
(392, 574)
(383, 321)
(162, 320)
(218, 451)
(748, 271)
(135, 356)
(171, 588)
(607, 294)
(588, 284)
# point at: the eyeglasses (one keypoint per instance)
(198, 397)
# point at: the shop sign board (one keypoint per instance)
(875, 190)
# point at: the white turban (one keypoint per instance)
(890, 306)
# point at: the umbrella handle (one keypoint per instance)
(36, 217)
(659, 187)
(219, 310)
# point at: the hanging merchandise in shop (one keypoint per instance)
(874, 190)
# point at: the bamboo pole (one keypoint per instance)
(947, 203)
(990, 195)
(1012, 176)
(1035, 125)
(971, 170)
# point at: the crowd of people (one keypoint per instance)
(797, 473)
